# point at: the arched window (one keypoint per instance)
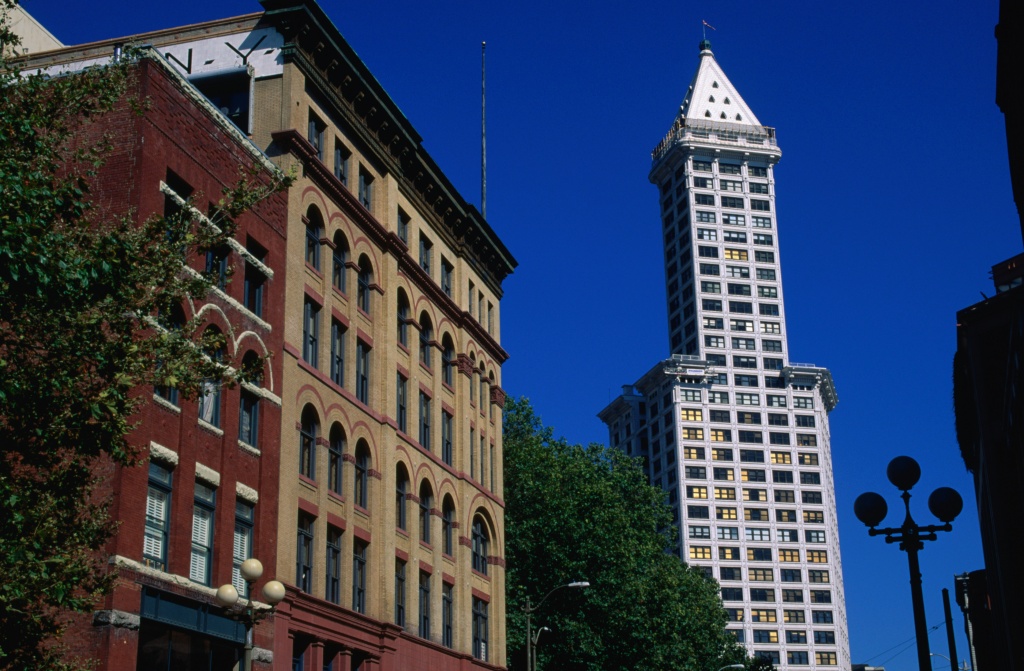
(310, 429)
(403, 319)
(339, 265)
(365, 280)
(249, 401)
(448, 526)
(361, 492)
(314, 231)
(447, 356)
(481, 542)
(336, 459)
(426, 503)
(209, 392)
(426, 336)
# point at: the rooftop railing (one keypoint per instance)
(721, 131)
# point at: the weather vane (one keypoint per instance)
(704, 28)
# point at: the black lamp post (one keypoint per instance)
(531, 642)
(945, 503)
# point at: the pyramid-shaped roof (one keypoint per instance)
(712, 97)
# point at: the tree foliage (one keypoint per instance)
(85, 299)
(587, 513)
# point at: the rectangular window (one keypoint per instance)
(762, 239)
(202, 534)
(333, 567)
(689, 395)
(703, 182)
(806, 440)
(739, 289)
(784, 477)
(747, 399)
(789, 556)
(758, 205)
(825, 658)
(447, 423)
(709, 269)
(711, 304)
(242, 547)
(400, 593)
(821, 596)
(785, 496)
(714, 341)
(753, 475)
(725, 513)
(721, 454)
(707, 252)
(817, 556)
(365, 188)
(424, 605)
(780, 457)
(401, 402)
(447, 614)
(724, 474)
(703, 199)
(788, 535)
(698, 512)
(254, 280)
(694, 531)
(337, 353)
(732, 594)
(741, 272)
(728, 533)
(359, 549)
(158, 509)
(315, 134)
(711, 287)
(447, 270)
(304, 554)
(736, 255)
(732, 202)
(759, 554)
(789, 575)
(700, 552)
(817, 576)
(705, 217)
(767, 292)
(694, 492)
(763, 616)
(821, 616)
(694, 453)
(729, 553)
(725, 494)
(729, 573)
(425, 421)
(363, 372)
(403, 225)
(764, 595)
(311, 333)
(480, 629)
(825, 638)
(713, 323)
(755, 495)
(771, 327)
(426, 253)
(341, 156)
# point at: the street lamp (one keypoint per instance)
(248, 614)
(952, 665)
(531, 642)
(732, 666)
(945, 503)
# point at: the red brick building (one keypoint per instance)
(205, 496)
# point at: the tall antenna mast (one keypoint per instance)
(483, 129)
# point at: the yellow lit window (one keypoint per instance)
(692, 415)
(755, 494)
(720, 454)
(782, 458)
(817, 576)
(817, 556)
(725, 494)
(814, 517)
(700, 552)
(729, 554)
(766, 636)
(762, 574)
(693, 453)
(808, 459)
(736, 254)
(825, 658)
(789, 555)
(760, 615)
(794, 616)
(693, 434)
(719, 435)
(725, 513)
(694, 492)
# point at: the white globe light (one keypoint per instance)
(227, 595)
(273, 592)
(251, 570)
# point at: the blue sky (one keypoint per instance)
(893, 201)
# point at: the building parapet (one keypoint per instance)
(741, 135)
(820, 377)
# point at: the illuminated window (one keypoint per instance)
(694, 492)
(794, 616)
(817, 575)
(825, 658)
(725, 513)
(692, 434)
(790, 556)
(761, 574)
(692, 415)
(725, 494)
(781, 457)
(720, 435)
(693, 453)
(817, 556)
(700, 552)
(729, 553)
(759, 615)
(807, 459)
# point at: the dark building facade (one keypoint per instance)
(989, 398)
(204, 498)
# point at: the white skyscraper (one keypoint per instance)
(735, 432)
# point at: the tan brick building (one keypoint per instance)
(390, 528)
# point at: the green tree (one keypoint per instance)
(587, 513)
(85, 300)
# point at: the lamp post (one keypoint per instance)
(531, 642)
(945, 503)
(248, 614)
(952, 665)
